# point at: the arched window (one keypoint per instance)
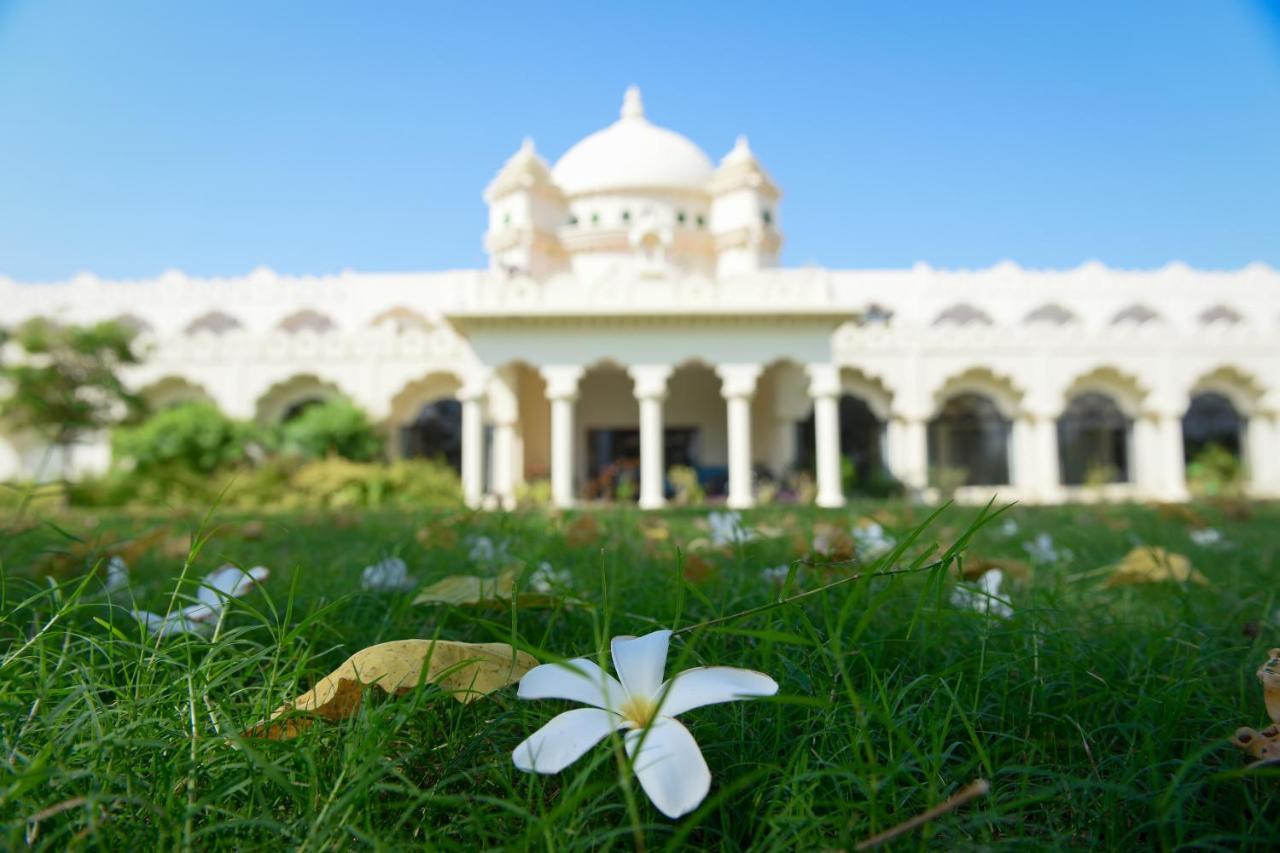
(860, 441)
(1093, 441)
(1212, 419)
(308, 320)
(215, 323)
(435, 433)
(970, 435)
(1135, 315)
(1050, 315)
(963, 315)
(1221, 315)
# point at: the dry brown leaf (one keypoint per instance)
(1181, 513)
(1153, 565)
(973, 567)
(442, 533)
(655, 530)
(77, 554)
(467, 670)
(697, 568)
(253, 530)
(582, 531)
(494, 591)
(832, 543)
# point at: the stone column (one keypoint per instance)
(472, 397)
(1034, 457)
(824, 390)
(1166, 472)
(651, 392)
(562, 392)
(907, 438)
(503, 463)
(738, 386)
(503, 410)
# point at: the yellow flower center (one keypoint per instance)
(638, 710)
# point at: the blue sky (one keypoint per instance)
(317, 136)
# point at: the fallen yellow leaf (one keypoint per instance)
(467, 670)
(975, 567)
(1153, 565)
(472, 590)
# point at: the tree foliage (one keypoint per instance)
(193, 436)
(64, 380)
(334, 427)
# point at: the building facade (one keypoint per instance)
(633, 317)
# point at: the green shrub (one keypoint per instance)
(1216, 471)
(192, 438)
(333, 428)
(684, 481)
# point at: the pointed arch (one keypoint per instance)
(1051, 314)
(963, 314)
(307, 320)
(213, 323)
(284, 399)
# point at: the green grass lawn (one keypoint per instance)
(1100, 715)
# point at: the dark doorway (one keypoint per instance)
(1211, 419)
(613, 458)
(860, 442)
(436, 433)
(971, 435)
(1093, 442)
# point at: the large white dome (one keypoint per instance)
(632, 154)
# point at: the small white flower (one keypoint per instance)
(1042, 550)
(1206, 536)
(217, 588)
(389, 575)
(546, 580)
(117, 574)
(871, 540)
(1009, 528)
(727, 529)
(482, 549)
(776, 575)
(664, 754)
(983, 595)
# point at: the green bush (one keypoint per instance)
(333, 428)
(1215, 471)
(189, 438)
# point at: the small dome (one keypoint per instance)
(632, 154)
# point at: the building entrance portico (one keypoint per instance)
(710, 392)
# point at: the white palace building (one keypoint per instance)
(634, 317)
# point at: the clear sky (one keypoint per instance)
(316, 136)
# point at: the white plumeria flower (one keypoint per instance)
(983, 595)
(217, 588)
(1042, 550)
(665, 756)
(390, 574)
(872, 540)
(727, 529)
(546, 580)
(117, 574)
(482, 549)
(1206, 536)
(776, 575)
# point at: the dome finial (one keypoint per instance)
(632, 105)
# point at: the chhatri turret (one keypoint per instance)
(526, 209)
(744, 214)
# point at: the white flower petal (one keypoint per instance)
(166, 626)
(564, 739)
(669, 765)
(389, 574)
(578, 680)
(641, 661)
(710, 685)
(229, 582)
(117, 574)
